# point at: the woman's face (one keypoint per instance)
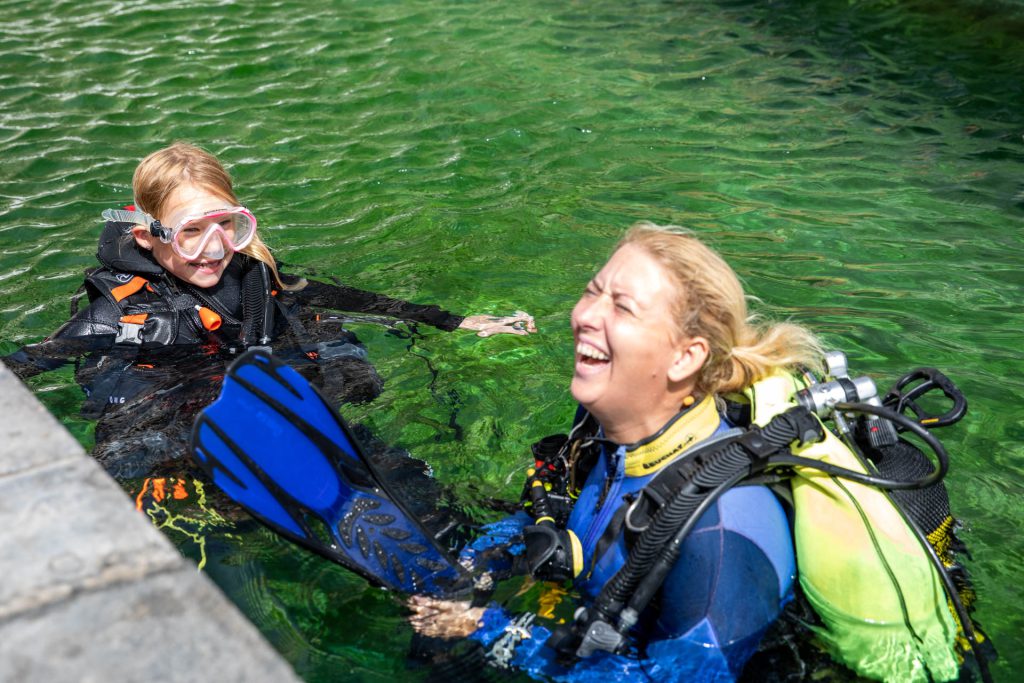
(632, 369)
(204, 270)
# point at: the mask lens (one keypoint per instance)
(235, 229)
(190, 236)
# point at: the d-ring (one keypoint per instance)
(628, 520)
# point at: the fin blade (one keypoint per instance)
(274, 445)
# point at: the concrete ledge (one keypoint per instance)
(29, 435)
(90, 590)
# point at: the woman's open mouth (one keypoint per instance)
(589, 355)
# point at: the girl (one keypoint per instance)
(185, 267)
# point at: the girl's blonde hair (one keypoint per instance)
(711, 304)
(160, 173)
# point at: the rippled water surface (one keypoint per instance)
(859, 164)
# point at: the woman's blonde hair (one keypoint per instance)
(160, 173)
(712, 304)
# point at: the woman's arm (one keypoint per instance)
(521, 323)
(733, 577)
(519, 642)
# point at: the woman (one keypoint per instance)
(661, 334)
(185, 269)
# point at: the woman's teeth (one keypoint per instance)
(588, 351)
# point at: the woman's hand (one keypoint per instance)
(443, 618)
(486, 325)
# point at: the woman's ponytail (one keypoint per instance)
(771, 347)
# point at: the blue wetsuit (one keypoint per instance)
(733, 576)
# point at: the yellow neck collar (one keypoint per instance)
(683, 431)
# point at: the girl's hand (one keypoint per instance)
(443, 618)
(486, 325)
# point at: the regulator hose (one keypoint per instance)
(954, 597)
(933, 477)
(651, 583)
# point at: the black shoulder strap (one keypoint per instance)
(611, 532)
(86, 288)
(104, 281)
(643, 505)
(672, 479)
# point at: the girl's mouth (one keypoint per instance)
(206, 265)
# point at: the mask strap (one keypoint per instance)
(139, 218)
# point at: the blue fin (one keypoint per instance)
(274, 445)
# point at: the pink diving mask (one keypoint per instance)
(193, 236)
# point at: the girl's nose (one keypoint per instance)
(214, 247)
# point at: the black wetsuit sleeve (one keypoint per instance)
(344, 298)
(99, 318)
(92, 328)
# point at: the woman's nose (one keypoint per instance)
(587, 312)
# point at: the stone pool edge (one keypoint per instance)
(91, 590)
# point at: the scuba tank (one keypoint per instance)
(863, 566)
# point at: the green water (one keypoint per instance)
(859, 164)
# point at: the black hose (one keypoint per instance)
(933, 477)
(651, 583)
(954, 596)
(714, 468)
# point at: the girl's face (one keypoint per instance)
(206, 269)
(632, 369)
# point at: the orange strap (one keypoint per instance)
(128, 288)
(136, 319)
